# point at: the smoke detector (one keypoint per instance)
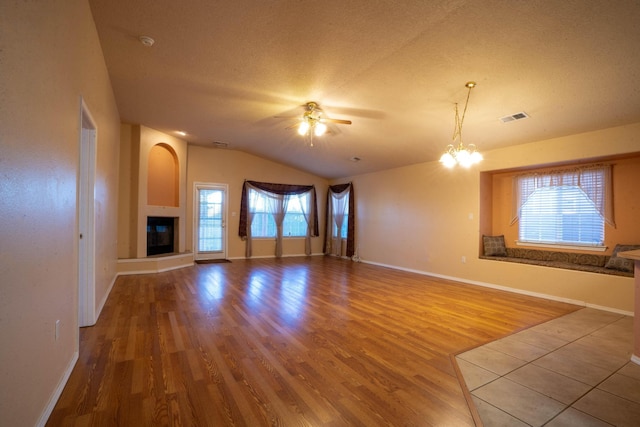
(146, 41)
(513, 117)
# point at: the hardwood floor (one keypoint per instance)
(315, 341)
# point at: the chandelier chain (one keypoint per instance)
(459, 154)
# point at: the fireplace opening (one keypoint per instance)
(160, 235)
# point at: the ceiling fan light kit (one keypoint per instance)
(457, 153)
(313, 123)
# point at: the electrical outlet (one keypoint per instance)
(57, 330)
(463, 259)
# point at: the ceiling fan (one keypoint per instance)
(313, 122)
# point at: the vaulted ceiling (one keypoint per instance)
(221, 71)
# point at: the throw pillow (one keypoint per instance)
(618, 263)
(494, 246)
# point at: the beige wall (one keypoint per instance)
(426, 218)
(50, 57)
(221, 166)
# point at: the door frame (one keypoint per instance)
(196, 214)
(86, 218)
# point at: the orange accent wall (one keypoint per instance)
(626, 200)
(163, 177)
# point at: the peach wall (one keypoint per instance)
(221, 166)
(425, 218)
(164, 177)
(50, 58)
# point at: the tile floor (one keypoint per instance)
(571, 371)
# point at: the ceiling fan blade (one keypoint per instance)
(339, 121)
(293, 126)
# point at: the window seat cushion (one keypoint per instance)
(592, 263)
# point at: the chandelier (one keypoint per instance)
(457, 153)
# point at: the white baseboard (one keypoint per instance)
(44, 417)
(635, 359)
(273, 256)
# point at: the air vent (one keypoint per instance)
(513, 117)
(220, 144)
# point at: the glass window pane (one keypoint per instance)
(294, 224)
(210, 220)
(561, 214)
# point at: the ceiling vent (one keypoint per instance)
(513, 117)
(220, 144)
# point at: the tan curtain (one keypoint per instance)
(309, 216)
(338, 198)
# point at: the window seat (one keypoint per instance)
(592, 263)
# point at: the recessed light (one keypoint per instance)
(181, 133)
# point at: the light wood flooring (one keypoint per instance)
(315, 341)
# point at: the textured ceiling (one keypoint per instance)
(221, 71)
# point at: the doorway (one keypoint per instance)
(86, 220)
(210, 237)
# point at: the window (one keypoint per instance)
(565, 207)
(561, 215)
(294, 224)
(345, 224)
(271, 210)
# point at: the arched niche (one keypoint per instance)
(163, 176)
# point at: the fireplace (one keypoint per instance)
(161, 235)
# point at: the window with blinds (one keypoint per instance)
(560, 214)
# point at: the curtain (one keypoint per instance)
(594, 181)
(249, 218)
(310, 217)
(338, 198)
(278, 198)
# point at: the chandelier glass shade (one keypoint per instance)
(457, 153)
(461, 155)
